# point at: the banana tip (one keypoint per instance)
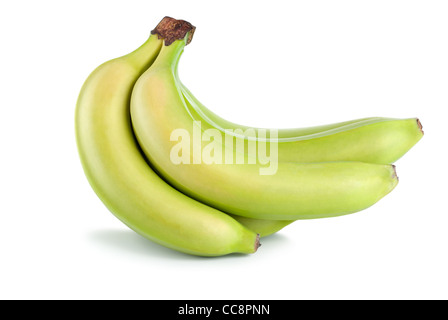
(257, 242)
(420, 126)
(395, 172)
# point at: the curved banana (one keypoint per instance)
(295, 191)
(293, 137)
(123, 180)
(375, 140)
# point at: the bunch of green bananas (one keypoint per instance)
(127, 111)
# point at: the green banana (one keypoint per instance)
(375, 140)
(351, 149)
(123, 180)
(295, 191)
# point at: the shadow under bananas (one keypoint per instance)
(129, 241)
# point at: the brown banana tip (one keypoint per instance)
(257, 242)
(420, 125)
(171, 29)
(395, 172)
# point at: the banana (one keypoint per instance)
(375, 140)
(119, 174)
(295, 191)
(347, 149)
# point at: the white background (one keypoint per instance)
(262, 63)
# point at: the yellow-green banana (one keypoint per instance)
(384, 143)
(295, 191)
(123, 180)
(375, 140)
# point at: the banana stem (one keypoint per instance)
(171, 29)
